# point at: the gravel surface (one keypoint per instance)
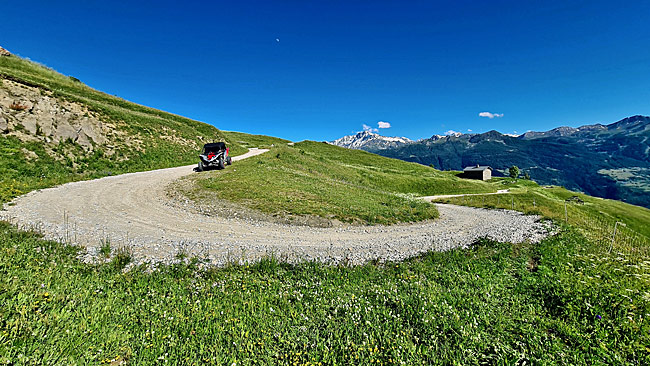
(442, 196)
(132, 211)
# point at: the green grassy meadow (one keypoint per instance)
(314, 178)
(594, 217)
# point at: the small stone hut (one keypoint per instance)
(482, 172)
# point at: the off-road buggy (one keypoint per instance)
(214, 155)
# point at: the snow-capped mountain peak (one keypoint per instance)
(366, 140)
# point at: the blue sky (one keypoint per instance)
(321, 70)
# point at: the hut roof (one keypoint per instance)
(476, 168)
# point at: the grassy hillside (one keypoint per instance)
(594, 217)
(313, 178)
(143, 138)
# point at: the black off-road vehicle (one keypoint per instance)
(214, 155)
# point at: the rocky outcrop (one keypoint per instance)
(33, 114)
(4, 52)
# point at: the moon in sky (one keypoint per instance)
(277, 40)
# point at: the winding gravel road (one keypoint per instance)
(133, 211)
(443, 196)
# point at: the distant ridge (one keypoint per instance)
(610, 161)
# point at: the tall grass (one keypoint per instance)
(549, 303)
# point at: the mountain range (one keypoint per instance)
(370, 141)
(609, 161)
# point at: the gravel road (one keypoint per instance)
(133, 211)
(443, 196)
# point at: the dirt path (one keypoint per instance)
(132, 211)
(433, 198)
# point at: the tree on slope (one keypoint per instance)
(514, 172)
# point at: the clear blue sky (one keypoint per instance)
(425, 67)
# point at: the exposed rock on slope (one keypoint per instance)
(4, 52)
(33, 114)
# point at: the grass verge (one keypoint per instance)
(550, 302)
(612, 225)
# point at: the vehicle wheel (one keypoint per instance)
(200, 168)
(229, 161)
(221, 164)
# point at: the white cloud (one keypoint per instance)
(382, 124)
(469, 130)
(369, 129)
(490, 115)
(452, 133)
